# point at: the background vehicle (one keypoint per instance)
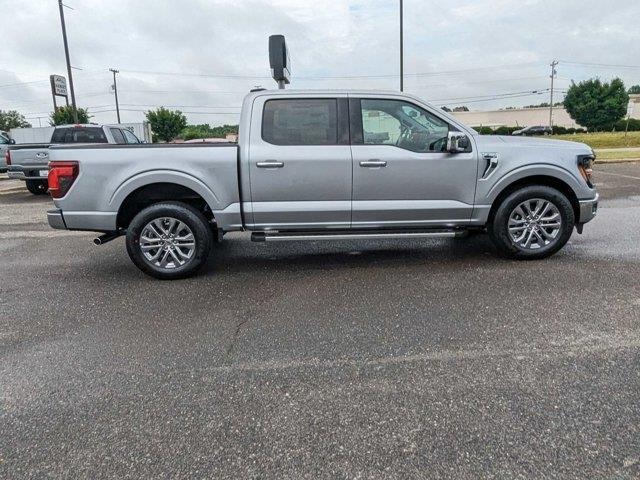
(323, 165)
(29, 162)
(533, 130)
(5, 141)
(141, 130)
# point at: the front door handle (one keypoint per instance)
(270, 164)
(373, 163)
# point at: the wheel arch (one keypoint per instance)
(545, 180)
(161, 185)
(153, 193)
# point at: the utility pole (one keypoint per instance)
(553, 76)
(66, 54)
(401, 50)
(115, 90)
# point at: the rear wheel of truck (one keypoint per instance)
(37, 187)
(531, 223)
(169, 240)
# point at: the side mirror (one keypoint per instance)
(457, 142)
(12, 141)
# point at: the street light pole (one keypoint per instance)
(115, 90)
(401, 50)
(66, 54)
(553, 76)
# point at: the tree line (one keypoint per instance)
(594, 104)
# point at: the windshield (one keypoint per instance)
(3, 139)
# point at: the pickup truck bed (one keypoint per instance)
(111, 173)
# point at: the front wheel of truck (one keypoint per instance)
(531, 223)
(37, 187)
(169, 240)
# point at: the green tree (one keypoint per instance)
(635, 90)
(166, 124)
(12, 119)
(206, 131)
(64, 116)
(597, 105)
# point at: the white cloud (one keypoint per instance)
(330, 38)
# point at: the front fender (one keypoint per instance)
(488, 193)
(163, 176)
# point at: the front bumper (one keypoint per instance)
(588, 209)
(56, 220)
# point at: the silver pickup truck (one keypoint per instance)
(325, 165)
(29, 161)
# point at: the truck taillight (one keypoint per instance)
(7, 157)
(61, 177)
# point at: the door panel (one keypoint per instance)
(413, 189)
(300, 186)
(394, 186)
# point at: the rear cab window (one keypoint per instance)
(300, 121)
(79, 135)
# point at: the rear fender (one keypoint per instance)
(163, 176)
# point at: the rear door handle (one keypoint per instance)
(373, 163)
(270, 164)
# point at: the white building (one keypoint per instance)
(525, 117)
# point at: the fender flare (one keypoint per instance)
(150, 177)
(534, 170)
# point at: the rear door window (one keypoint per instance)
(300, 121)
(117, 135)
(130, 137)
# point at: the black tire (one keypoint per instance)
(37, 187)
(186, 214)
(499, 226)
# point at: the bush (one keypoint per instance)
(634, 125)
(484, 130)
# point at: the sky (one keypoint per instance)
(203, 56)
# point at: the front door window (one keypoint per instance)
(401, 124)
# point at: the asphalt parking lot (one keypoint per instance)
(396, 359)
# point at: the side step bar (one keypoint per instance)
(294, 236)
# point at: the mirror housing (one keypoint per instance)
(12, 141)
(457, 142)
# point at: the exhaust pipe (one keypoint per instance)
(107, 237)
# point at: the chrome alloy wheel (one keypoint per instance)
(167, 243)
(534, 224)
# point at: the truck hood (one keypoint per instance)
(502, 142)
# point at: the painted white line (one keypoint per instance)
(598, 172)
(587, 346)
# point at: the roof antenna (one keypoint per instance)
(279, 60)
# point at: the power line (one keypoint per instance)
(495, 95)
(336, 77)
(604, 65)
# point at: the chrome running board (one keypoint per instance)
(358, 235)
